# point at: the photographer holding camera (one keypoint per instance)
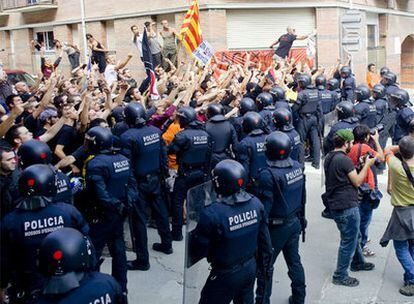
(341, 198)
(368, 193)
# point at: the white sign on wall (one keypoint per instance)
(397, 45)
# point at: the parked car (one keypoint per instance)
(15, 76)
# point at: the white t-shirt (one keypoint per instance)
(110, 74)
(138, 44)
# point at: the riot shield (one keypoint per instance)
(196, 269)
(330, 119)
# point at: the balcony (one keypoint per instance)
(27, 6)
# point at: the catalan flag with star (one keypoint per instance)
(190, 32)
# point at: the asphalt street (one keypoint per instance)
(164, 282)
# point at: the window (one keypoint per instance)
(372, 36)
(45, 39)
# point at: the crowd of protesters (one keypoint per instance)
(62, 112)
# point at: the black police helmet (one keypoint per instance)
(99, 139)
(332, 84)
(264, 99)
(229, 177)
(378, 91)
(283, 119)
(345, 71)
(411, 126)
(278, 146)
(186, 115)
(304, 81)
(34, 152)
(247, 105)
(134, 114)
(362, 92)
(345, 109)
(214, 109)
(384, 70)
(390, 78)
(38, 180)
(277, 93)
(320, 81)
(252, 121)
(400, 97)
(64, 253)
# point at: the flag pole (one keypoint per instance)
(85, 43)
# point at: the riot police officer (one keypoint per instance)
(283, 122)
(308, 107)
(251, 148)
(333, 86)
(327, 99)
(110, 187)
(282, 192)
(279, 98)
(389, 80)
(384, 70)
(36, 152)
(401, 100)
(221, 235)
(193, 149)
(348, 84)
(266, 108)
(65, 259)
(346, 120)
(222, 134)
(144, 146)
(246, 105)
(24, 229)
(365, 109)
(383, 113)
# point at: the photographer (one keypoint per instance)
(400, 228)
(341, 197)
(369, 195)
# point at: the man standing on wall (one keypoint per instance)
(285, 43)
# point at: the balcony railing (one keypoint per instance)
(28, 5)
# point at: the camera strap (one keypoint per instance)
(406, 168)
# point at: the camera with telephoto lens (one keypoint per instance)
(378, 128)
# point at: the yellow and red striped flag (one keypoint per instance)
(190, 32)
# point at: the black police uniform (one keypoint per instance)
(193, 149)
(348, 88)
(348, 124)
(223, 137)
(327, 99)
(383, 117)
(403, 118)
(95, 287)
(307, 106)
(366, 112)
(23, 230)
(237, 122)
(251, 155)
(282, 190)
(110, 186)
(144, 146)
(221, 235)
(298, 148)
(66, 258)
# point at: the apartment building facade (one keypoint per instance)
(375, 31)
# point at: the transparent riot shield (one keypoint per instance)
(330, 119)
(196, 269)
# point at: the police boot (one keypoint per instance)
(177, 235)
(160, 247)
(138, 265)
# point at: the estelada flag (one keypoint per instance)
(190, 32)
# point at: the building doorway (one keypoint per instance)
(407, 62)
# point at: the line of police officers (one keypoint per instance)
(265, 189)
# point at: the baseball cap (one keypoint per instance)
(346, 135)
